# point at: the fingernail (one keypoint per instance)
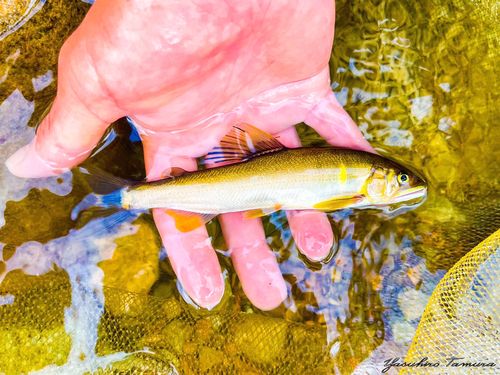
(312, 233)
(16, 158)
(316, 246)
(203, 286)
(26, 163)
(204, 297)
(208, 296)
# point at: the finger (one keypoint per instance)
(333, 123)
(64, 139)
(70, 131)
(253, 260)
(191, 254)
(312, 233)
(310, 228)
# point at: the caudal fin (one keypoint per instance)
(103, 183)
(107, 193)
(91, 226)
(98, 203)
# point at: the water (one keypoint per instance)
(419, 79)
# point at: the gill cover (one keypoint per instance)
(381, 185)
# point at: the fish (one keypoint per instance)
(252, 172)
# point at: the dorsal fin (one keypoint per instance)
(242, 143)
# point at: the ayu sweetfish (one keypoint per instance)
(264, 177)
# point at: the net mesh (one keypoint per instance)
(460, 327)
(142, 334)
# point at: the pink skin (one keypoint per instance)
(185, 72)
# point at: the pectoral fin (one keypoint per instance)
(338, 203)
(186, 221)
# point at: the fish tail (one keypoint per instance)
(114, 199)
(104, 183)
(106, 221)
(108, 193)
(98, 203)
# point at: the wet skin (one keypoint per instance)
(185, 72)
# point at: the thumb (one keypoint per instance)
(77, 120)
(64, 139)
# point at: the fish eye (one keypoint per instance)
(403, 178)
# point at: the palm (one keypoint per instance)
(185, 72)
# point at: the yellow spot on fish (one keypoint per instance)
(343, 175)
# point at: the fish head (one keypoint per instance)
(390, 183)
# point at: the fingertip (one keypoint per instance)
(201, 278)
(205, 285)
(16, 158)
(207, 295)
(271, 297)
(312, 233)
(335, 125)
(26, 163)
(315, 246)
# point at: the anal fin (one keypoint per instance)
(338, 203)
(252, 214)
(186, 221)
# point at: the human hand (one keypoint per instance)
(185, 72)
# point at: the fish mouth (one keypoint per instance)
(410, 194)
